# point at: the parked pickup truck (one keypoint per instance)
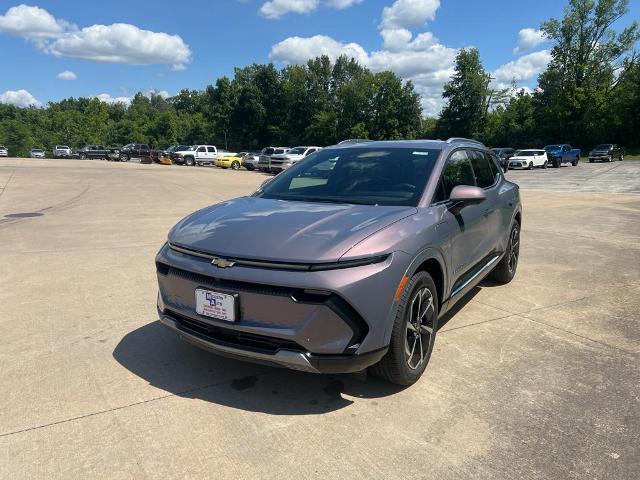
(134, 150)
(62, 151)
(94, 151)
(199, 155)
(562, 153)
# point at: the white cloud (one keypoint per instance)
(33, 23)
(66, 75)
(529, 38)
(122, 43)
(523, 69)
(106, 98)
(19, 98)
(409, 13)
(298, 49)
(274, 9)
(116, 43)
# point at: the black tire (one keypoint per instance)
(610, 158)
(545, 164)
(395, 366)
(235, 165)
(82, 156)
(189, 161)
(506, 268)
(123, 157)
(556, 163)
(591, 160)
(249, 167)
(575, 162)
(621, 157)
(530, 166)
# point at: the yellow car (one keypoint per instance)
(234, 161)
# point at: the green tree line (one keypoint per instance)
(589, 93)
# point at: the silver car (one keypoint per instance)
(362, 248)
(264, 162)
(4, 151)
(36, 153)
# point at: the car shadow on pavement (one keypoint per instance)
(162, 359)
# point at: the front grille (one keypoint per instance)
(233, 338)
(232, 284)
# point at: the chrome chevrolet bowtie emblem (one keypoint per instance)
(222, 262)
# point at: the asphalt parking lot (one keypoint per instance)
(536, 379)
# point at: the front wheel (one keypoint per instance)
(235, 165)
(124, 157)
(530, 167)
(575, 162)
(189, 161)
(506, 269)
(83, 156)
(413, 334)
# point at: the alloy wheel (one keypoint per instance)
(514, 249)
(419, 328)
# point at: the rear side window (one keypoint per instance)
(458, 171)
(495, 169)
(482, 169)
(211, 150)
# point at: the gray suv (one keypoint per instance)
(363, 247)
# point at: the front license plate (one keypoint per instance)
(216, 305)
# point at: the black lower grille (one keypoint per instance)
(233, 338)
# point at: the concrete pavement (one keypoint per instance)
(536, 379)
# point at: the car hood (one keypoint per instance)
(601, 150)
(278, 230)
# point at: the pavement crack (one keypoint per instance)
(122, 407)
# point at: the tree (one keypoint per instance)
(588, 61)
(466, 97)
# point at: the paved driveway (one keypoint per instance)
(537, 379)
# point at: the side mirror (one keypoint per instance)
(465, 195)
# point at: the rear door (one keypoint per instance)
(211, 153)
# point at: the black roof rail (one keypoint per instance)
(462, 139)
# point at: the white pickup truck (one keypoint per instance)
(198, 155)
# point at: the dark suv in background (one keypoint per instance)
(362, 247)
(504, 154)
(607, 152)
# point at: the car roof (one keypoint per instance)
(430, 144)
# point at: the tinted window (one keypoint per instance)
(481, 168)
(267, 151)
(493, 164)
(372, 176)
(458, 171)
(201, 149)
(211, 150)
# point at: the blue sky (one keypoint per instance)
(167, 46)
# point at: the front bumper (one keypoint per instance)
(323, 321)
(293, 359)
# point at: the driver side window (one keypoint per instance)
(457, 171)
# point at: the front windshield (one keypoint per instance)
(192, 148)
(552, 147)
(267, 151)
(296, 151)
(527, 153)
(603, 147)
(370, 176)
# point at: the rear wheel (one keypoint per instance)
(575, 162)
(506, 269)
(249, 167)
(413, 334)
(556, 163)
(235, 165)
